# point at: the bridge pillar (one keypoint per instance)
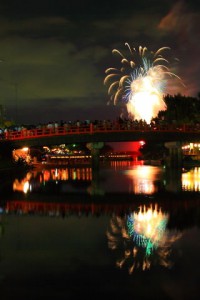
(174, 159)
(95, 153)
(173, 180)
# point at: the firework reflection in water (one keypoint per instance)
(142, 239)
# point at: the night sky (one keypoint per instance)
(54, 53)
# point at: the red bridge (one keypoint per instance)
(114, 132)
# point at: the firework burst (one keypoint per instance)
(140, 82)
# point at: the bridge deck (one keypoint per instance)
(111, 133)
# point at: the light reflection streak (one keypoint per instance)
(55, 174)
(191, 180)
(22, 185)
(144, 179)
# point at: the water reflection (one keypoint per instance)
(138, 179)
(1, 224)
(22, 185)
(37, 179)
(141, 239)
(191, 180)
(145, 179)
(144, 232)
(134, 241)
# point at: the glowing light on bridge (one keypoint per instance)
(140, 82)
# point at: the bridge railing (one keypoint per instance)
(95, 128)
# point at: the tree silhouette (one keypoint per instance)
(181, 109)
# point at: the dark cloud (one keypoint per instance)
(54, 53)
(183, 24)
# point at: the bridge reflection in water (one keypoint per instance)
(142, 179)
(63, 190)
(145, 222)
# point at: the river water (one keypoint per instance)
(127, 231)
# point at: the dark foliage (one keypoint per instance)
(181, 109)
